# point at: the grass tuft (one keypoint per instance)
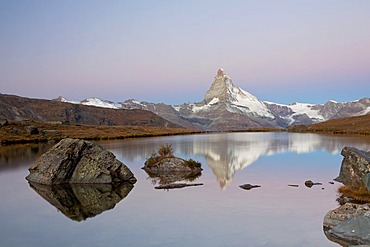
(360, 194)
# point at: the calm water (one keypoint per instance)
(219, 213)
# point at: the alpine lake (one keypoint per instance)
(282, 212)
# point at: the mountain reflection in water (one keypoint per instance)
(81, 201)
(227, 153)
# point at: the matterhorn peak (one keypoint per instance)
(220, 72)
(220, 87)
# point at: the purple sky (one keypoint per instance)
(169, 51)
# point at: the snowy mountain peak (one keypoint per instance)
(61, 99)
(228, 107)
(101, 103)
(221, 73)
(235, 99)
(220, 87)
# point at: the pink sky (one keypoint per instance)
(169, 51)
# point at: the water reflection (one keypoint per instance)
(12, 156)
(228, 153)
(172, 177)
(79, 202)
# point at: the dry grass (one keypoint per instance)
(166, 151)
(350, 125)
(15, 132)
(360, 194)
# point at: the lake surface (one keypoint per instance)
(219, 213)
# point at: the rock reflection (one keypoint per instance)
(81, 201)
(172, 177)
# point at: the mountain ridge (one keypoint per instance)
(228, 107)
(18, 108)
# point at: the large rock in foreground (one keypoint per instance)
(349, 224)
(79, 161)
(355, 166)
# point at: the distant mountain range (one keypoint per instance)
(25, 109)
(228, 107)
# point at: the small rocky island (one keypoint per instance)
(76, 161)
(349, 224)
(167, 168)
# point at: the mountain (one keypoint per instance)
(347, 125)
(228, 107)
(39, 110)
(300, 113)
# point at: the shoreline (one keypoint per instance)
(16, 133)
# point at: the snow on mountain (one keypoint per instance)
(228, 107)
(292, 112)
(237, 100)
(62, 99)
(92, 102)
(101, 103)
(309, 109)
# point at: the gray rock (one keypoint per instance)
(249, 186)
(32, 130)
(366, 180)
(309, 183)
(343, 213)
(3, 122)
(171, 165)
(355, 165)
(79, 161)
(176, 186)
(356, 229)
(348, 224)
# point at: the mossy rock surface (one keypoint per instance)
(172, 164)
(78, 161)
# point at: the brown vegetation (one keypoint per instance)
(360, 194)
(162, 153)
(166, 151)
(349, 125)
(15, 132)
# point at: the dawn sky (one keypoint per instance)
(169, 51)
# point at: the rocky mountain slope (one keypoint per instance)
(228, 107)
(225, 107)
(20, 108)
(346, 125)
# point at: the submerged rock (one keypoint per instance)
(309, 183)
(355, 165)
(79, 161)
(175, 186)
(249, 186)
